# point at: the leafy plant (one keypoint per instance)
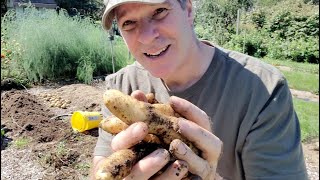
(60, 46)
(253, 44)
(258, 18)
(61, 148)
(21, 142)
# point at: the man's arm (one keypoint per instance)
(273, 145)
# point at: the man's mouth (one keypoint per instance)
(158, 53)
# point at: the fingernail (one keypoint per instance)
(178, 147)
(173, 101)
(183, 125)
(161, 154)
(138, 128)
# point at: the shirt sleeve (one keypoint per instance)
(273, 149)
(103, 146)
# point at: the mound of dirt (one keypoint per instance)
(63, 153)
(24, 115)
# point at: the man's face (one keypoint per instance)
(159, 35)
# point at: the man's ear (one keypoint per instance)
(190, 11)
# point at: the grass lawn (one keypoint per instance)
(301, 76)
(308, 113)
(303, 81)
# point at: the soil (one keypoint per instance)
(53, 145)
(54, 150)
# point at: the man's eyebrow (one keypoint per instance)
(123, 13)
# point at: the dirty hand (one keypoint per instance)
(196, 128)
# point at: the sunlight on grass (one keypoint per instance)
(303, 81)
(301, 76)
(308, 113)
(295, 66)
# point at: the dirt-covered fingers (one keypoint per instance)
(190, 112)
(208, 143)
(177, 170)
(197, 165)
(149, 165)
(130, 136)
(139, 95)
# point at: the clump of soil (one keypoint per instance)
(8, 84)
(64, 154)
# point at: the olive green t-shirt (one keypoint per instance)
(251, 109)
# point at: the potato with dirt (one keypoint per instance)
(119, 164)
(130, 110)
(161, 120)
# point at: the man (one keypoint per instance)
(224, 96)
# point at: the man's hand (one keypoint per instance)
(195, 127)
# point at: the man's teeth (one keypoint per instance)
(157, 53)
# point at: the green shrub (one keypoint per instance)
(258, 18)
(51, 46)
(304, 50)
(280, 23)
(287, 25)
(252, 43)
(299, 50)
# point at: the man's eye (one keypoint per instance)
(128, 25)
(160, 13)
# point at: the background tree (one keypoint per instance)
(3, 7)
(217, 18)
(88, 8)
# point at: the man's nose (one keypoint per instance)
(147, 32)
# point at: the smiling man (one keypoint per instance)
(226, 98)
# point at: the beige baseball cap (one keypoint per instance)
(108, 14)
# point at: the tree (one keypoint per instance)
(91, 8)
(219, 16)
(4, 7)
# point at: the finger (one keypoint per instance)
(208, 143)
(149, 165)
(177, 170)
(139, 95)
(190, 112)
(130, 136)
(197, 165)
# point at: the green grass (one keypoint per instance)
(301, 76)
(83, 166)
(60, 47)
(295, 66)
(302, 81)
(308, 114)
(61, 148)
(21, 142)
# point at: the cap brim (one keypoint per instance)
(108, 14)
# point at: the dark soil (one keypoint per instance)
(61, 151)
